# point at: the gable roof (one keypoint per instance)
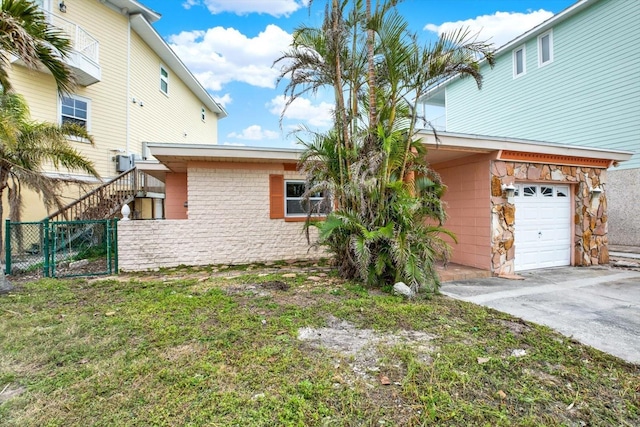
(141, 18)
(437, 90)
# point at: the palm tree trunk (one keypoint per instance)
(371, 74)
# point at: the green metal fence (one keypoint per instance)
(61, 248)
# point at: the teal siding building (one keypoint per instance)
(574, 80)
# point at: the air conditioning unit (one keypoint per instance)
(124, 163)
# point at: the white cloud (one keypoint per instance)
(245, 7)
(224, 100)
(499, 28)
(235, 144)
(222, 55)
(320, 115)
(255, 133)
(188, 4)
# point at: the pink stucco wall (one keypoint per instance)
(469, 208)
(175, 196)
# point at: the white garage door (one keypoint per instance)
(543, 226)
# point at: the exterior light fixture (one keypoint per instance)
(62, 7)
(509, 191)
(595, 192)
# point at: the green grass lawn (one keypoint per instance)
(192, 347)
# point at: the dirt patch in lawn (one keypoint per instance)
(359, 347)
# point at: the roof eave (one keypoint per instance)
(130, 7)
(465, 141)
(222, 152)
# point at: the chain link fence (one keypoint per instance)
(61, 248)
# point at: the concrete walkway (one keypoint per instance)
(597, 306)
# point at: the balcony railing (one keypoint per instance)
(81, 40)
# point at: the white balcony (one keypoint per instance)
(84, 58)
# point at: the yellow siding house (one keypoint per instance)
(132, 88)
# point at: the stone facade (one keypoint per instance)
(228, 224)
(590, 213)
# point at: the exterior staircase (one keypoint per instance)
(106, 201)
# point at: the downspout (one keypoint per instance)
(128, 100)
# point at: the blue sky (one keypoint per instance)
(230, 46)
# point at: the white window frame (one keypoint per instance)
(203, 114)
(78, 98)
(164, 79)
(291, 198)
(540, 37)
(522, 49)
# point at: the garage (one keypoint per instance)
(542, 226)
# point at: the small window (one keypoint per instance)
(545, 48)
(294, 202)
(562, 192)
(546, 191)
(519, 62)
(74, 109)
(164, 80)
(203, 115)
(530, 191)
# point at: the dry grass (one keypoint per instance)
(195, 347)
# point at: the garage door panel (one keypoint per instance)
(543, 226)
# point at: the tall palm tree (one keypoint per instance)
(388, 223)
(25, 147)
(26, 34)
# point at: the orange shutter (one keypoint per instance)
(276, 196)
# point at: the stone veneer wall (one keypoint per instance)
(590, 216)
(228, 224)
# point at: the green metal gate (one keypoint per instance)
(61, 248)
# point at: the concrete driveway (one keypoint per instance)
(597, 306)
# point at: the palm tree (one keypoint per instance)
(26, 34)
(388, 224)
(26, 145)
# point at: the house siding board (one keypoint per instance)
(113, 117)
(107, 97)
(553, 103)
(164, 118)
(224, 227)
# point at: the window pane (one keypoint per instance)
(164, 86)
(68, 111)
(546, 191)
(530, 191)
(545, 48)
(562, 192)
(294, 207)
(163, 72)
(519, 62)
(72, 120)
(295, 189)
